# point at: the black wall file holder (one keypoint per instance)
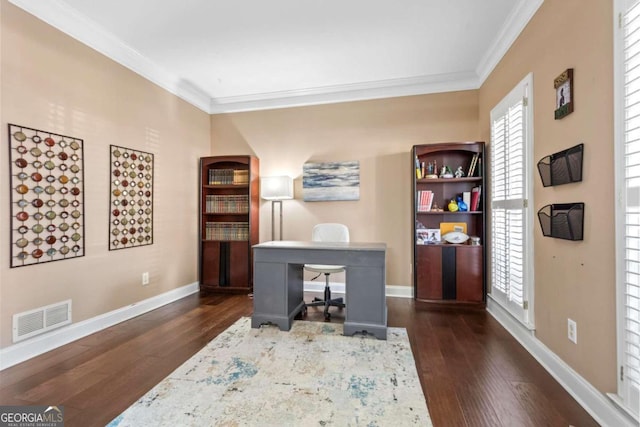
(562, 167)
(562, 221)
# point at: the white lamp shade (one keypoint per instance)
(276, 187)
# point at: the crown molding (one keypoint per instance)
(60, 15)
(345, 93)
(515, 23)
(68, 20)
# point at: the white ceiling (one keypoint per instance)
(241, 55)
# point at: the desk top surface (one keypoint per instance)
(294, 244)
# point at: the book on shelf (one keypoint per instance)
(425, 200)
(474, 166)
(227, 203)
(473, 161)
(466, 198)
(228, 176)
(475, 198)
(240, 176)
(226, 231)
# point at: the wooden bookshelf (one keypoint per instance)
(446, 272)
(229, 209)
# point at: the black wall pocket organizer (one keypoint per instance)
(562, 221)
(562, 167)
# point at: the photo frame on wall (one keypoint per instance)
(131, 198)
(563, 85)
(47, 196)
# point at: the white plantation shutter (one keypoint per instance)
(510, 121)
(628, 212)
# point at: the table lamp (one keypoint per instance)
(276, 189)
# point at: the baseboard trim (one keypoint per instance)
(595, 403)
(399, 291)
(17, 353)
(339, 288)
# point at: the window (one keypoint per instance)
(627, 153)
(511, 228)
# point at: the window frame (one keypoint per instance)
(622, 397)
(524, 89)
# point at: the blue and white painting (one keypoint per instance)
(330, 181)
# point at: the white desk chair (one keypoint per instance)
(328, 232)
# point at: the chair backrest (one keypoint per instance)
(330, 232)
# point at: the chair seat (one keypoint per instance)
(319, 268)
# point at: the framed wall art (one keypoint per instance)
(131, 200)
(331, 181)
(47, 196)
(563, 85)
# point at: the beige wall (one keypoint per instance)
(572, 279)
(378, 133)
(51, 82)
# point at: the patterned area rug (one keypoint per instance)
(311, 375)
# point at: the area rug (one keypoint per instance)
(310, 375)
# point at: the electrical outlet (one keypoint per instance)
(145, 278)
(572, 331)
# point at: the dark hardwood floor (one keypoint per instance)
(472, 371)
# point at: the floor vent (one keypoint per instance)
(35, 322)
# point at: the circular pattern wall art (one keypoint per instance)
(47, 196)
(131, 207)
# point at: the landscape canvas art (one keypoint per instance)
(331, 181)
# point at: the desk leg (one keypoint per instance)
(366, 309)
(277, 294)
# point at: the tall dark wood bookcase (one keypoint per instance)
(229, 213)
(446, 272)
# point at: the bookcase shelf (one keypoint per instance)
(445, 272)
(229, 203)
(450, 213)
(448, 180)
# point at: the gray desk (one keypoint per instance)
(278, 282)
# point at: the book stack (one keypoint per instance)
(425, 200)
(228, 176)
(227, 231)
(227, 204)
(220, 176)
(475, 198)
(240, 176)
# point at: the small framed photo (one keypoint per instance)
(421, 236)
(427, 236)
(563, 85)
